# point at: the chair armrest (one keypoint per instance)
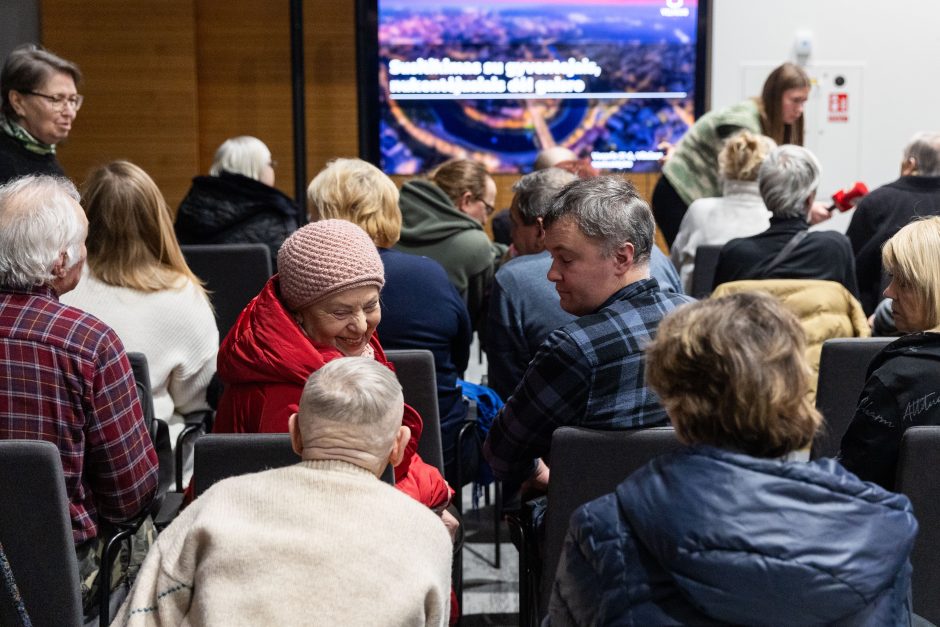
(169, 509)
(194, 423)
(124, 532)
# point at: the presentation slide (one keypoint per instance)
(500, 80)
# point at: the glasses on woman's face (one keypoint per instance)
(60, 101)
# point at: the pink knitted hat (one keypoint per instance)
(326, 257)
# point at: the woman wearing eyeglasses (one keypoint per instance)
(38, 103)
(442, 218)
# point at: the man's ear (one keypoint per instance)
(60, 266)
(296, 438)
(397, 453)
(462, 202)
(908, 166)
(623, 257)
(540, 233)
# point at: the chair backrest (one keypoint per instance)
(36, 532)
(142, 382)
(218, 456)
(843, 364)
(415, 370)
(233, 274)
(587, 464)
(703, 274)
(918, 461)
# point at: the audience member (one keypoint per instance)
(589, 372)
(237, 203)
(732, 529)
(552, 156)
(524, 306)
(324, 539)
(137, 282)
(323, 304)
(442, 218)
(902, 379)
(38, 103)
(66, 378)
(738, 212)
(787, 250)
(691, 168)
(420, 306)
(885, 210)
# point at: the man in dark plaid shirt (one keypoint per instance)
(64, 376)
(589, 372)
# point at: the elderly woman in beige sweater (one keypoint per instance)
(322, 542)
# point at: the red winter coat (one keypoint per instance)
(265, 361)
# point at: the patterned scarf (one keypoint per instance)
(20, 134)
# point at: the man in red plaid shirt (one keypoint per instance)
(64, 376)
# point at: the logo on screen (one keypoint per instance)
(674, 8)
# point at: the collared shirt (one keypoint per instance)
(588, 373)
(64, 378)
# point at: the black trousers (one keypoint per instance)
(668, 209)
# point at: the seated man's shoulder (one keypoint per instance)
(523, 268)
(53, 322)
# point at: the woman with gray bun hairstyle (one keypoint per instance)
(238, 203)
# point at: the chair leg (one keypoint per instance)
(497, 519)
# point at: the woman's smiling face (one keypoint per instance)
(345, 320)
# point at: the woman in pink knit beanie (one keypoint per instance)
(322, 304)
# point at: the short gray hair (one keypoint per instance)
(924, 149)
(243, 155)
(609, 210)
(37, 224)
(353, 390)
(534, 192)
(27, 68)
(787, 177)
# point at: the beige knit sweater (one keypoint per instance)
(319, 543)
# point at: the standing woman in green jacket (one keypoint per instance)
(442, 218)
(690, 171)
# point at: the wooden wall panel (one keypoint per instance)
(140, 85)
(243, 71)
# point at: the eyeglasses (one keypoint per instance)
(490, 209)
(60, 101)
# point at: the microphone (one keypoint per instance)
(845, 199)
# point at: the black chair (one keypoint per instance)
(415, 371)
(159, 431)
(233, 274)
(843, 364)
(703, 274)
(36, 532)
(918, 461)
(217, 456)
(585, 464)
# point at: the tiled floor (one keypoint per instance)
(491, 595)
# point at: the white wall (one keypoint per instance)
(894, 45)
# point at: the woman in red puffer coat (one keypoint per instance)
(323, 304)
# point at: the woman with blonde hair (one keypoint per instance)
(443, 218)
(238, 203)
(901, 386)
(137, 282)
(733, 528)
(738, 212)
(420, 307)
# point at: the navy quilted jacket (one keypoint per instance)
(707, 536)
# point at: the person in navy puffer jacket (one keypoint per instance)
(733, 529)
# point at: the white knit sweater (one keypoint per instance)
(175, 329)
(739, 212)
(318, 543)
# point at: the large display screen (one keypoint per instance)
(499, 80)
